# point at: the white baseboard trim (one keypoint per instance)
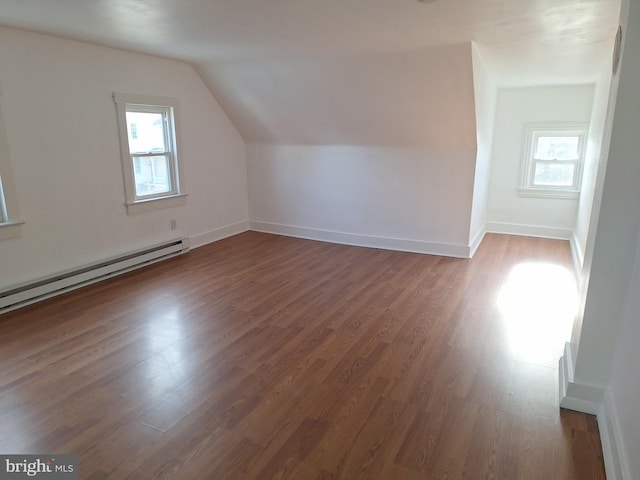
(577, 255)
(575, 396)
(529, 230)
(476, 241)
(413, 246)
(612, 444)
(205, 238)
(594, 401)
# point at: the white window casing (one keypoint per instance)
(10, 224)
(553, 174)
(151, 167)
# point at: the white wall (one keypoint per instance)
(408, 199)
(485, 102)
(417, 98)
(63, 142)
(617, 227)
(384, 154)
(507, 211)
(625, 383)
(604, 343)
(593, 154)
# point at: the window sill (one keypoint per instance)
(156, 204)
(11, 229)
(542, 193)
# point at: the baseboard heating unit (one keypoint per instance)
(32, 292)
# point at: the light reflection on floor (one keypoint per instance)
(538, 303)
(20, 438)
(166, 366)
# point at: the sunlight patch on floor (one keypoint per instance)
(538, 303)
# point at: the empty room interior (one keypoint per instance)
(392, 239)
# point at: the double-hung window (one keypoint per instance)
(148, 144)
(553, 160)
(4, 217)
(10, 225)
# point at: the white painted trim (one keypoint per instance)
(205, 238)
(577, 255)
(542, 193)
(615, 458)
(386, 243)
(476, 241)
(8, 194)
(135, 204)
(529, 230)
(10, 229)
(565, 371)
(575, 396)
(135, 99)
(535, 130)
(142, 206)
(594, 401)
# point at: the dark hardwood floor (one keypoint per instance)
(266, 357)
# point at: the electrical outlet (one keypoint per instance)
(174, 224)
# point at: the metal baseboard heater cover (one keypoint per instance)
(32, 292)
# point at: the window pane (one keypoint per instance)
(152, 175)
(3, 208)
(554, 174)
(146, 132)
(560, 148)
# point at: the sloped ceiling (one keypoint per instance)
(418, 98)
(366, 72)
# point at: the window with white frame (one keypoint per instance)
(10, 225)
(148, 144)
(553, 160)
(4, 217)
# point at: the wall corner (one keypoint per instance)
(594, 401)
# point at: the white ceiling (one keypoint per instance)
(285, 69)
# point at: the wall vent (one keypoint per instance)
(32, 292)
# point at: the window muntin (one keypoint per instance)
(553, 160)
(149, 151)
(553, 174)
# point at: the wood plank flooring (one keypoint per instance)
(266, 357)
